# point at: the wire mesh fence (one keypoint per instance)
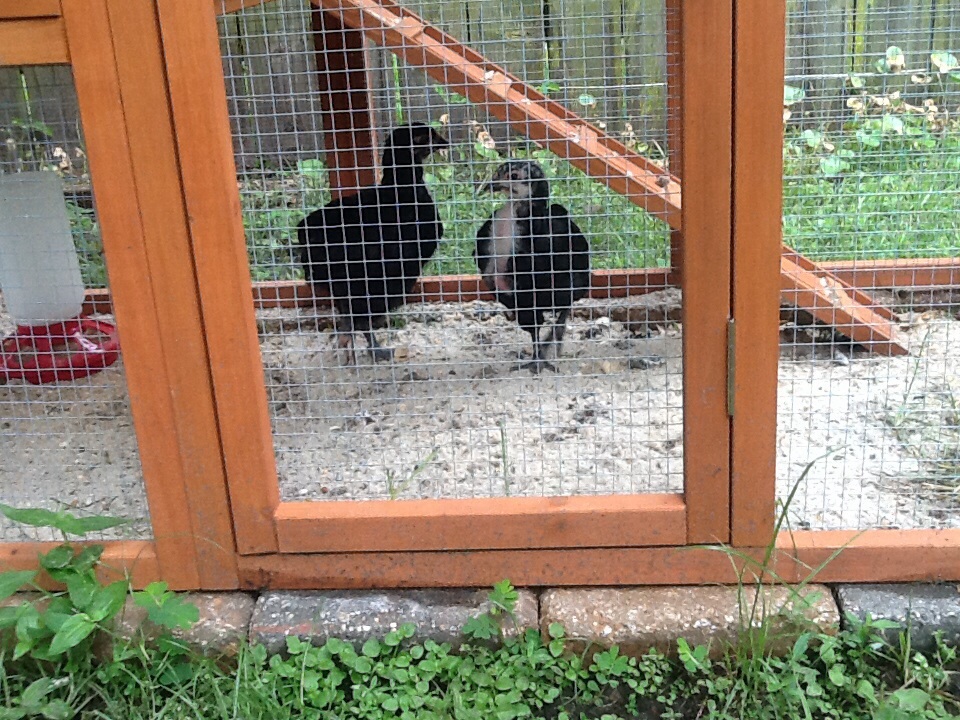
(68, 442)
(455, 413)
(872, 174)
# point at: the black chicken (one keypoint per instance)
(533, 256)
(368, 250)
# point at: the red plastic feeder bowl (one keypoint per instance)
(62, 351)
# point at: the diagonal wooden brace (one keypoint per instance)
(850, 311)
(532, 114)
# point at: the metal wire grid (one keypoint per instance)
(63, 445)
(872, 172)
(449, 417)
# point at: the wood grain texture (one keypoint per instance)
(490, 523)
(143, 87)
(134, 304)
(874, 555)
(871, 556)
(757, 198)
(29, 9)
(707, 110)
(209, 177)
(33, 42)
(223, 7)
(673, 10)
(454, 569)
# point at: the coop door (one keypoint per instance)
(452, 420)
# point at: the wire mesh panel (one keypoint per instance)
(456, 404)
(872, 185)
(66, 437)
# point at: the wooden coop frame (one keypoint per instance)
(149, 83)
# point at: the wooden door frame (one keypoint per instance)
(265, 525)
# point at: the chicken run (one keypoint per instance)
(493, 239)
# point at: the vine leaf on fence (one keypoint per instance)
(945, 62)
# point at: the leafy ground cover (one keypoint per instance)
(48, 667)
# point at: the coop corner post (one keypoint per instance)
(759, 45)
(118, 207)
(209, 177)
(143, 85)
(345, 95)
(706, 97)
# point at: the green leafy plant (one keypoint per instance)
(60, 625)
(165, 608)
(35, 702)
(503, 601)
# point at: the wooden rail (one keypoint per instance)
(871, 556)
(923, 274)
(33, 41)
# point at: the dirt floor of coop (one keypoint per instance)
(452, 418)
(70, 446)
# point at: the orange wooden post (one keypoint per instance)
(706, 98)
(139, 56)
(674, 23)
(757, 199)
(209, 176)
(135, 304)
(345, 95)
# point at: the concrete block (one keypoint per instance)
(638, 619)
(355, 616)
(924, 608)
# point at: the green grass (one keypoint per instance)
(893, 201)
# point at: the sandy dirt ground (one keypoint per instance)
(452, 417)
